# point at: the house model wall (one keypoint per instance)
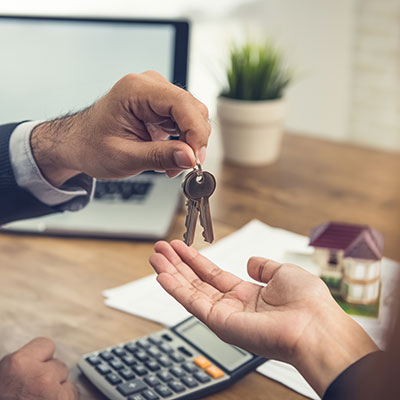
(350, 260)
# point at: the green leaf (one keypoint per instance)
(256, 72)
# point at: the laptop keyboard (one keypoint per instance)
(123, 190)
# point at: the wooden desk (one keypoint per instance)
(52, 287)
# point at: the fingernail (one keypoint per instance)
(182, 159)
(202, 154)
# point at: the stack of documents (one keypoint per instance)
(147, 299)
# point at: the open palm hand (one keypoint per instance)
(275, 316)
(292, 317)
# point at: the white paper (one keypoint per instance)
(289, 376)
(147, 299)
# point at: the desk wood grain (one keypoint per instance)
(52, 286)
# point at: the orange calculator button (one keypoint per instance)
(214, 371)
(202, 362)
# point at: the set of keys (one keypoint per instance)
(198, 186)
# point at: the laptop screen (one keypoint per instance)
(51, 66)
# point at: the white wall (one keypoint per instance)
(375, 105)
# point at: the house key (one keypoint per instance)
(198, 186)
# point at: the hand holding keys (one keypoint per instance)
(198, 186)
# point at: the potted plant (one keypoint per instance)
(251, 109)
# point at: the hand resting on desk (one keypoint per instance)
(32, 373)
(293, 319)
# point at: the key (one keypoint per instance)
(198, 187)
(191, 220)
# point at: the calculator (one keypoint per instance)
(186, 361)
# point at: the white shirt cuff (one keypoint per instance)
(72, 196)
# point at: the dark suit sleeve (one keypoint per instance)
(15, 203)
(356, 380)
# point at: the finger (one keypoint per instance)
(159, 97)
(205, 269)
(173, 173)
(166, 249)
(69, 391)
(166, 260)
(41, 349)
(191, 116)
(262, 269)
(156, 132)
(161, 264)
(161, 155)
(192, 299)
(59, 369)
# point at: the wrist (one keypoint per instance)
(51, 148)
(332, 343)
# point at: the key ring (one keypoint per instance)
(199, 170)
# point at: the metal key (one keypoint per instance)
(191, 220)
(198, 186)
(192, 214)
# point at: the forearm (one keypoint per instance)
(330, 347)
(53, 147)
(15, 202)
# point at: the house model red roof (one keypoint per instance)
(357, 241)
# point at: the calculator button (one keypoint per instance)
(189, 367)
(163, 391)
(149, 395)
(139, 370)
(165, 361)
(214, 371)
(131, 387)
(113, 378)
(177, 371)
(189, 382)
(131, 347)
(128, 359)
(141, 355)
(106, 355)
(119, 351)
(93, 360)
(185, 351)
(202, 362)
(155, 340)
(166, 348)
(103, 369)
(154, 352)
(143, 343)
(116, 364)
(152, 381)
(136, 397)
(177, 357)
(202, 377)
(127, 374)
(167, 337)
(177, 386)
(152, 365)
(165, 376)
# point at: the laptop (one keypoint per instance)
(50, 66)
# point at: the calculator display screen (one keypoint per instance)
(228, 356)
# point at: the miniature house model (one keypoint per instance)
(350, 260)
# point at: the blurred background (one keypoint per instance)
(345, 54)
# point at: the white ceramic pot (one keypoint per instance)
(251, 130)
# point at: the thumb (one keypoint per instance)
(69, 391)
(262, 269)
(41, 349)
(163, 155)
